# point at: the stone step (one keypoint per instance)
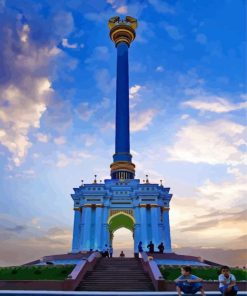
(117, 274)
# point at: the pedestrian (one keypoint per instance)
(110, 251)
(122, 254)
(227, 282)
(151, 247)
(188, 283)
(140, 249)
(105, 251)
(161, 248)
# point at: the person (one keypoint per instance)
(105, 251)
(140, 249)
(151, 247)
(161, 248)
(188, 283)
(110, 251)
(122, 254)
(227, 282)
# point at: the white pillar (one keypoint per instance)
(143, 214)
(154, 224)
(76, 230)
(167, 234)
(86, 228)
(98, 229)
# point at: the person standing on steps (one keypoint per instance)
(122, 255)
(161, 248)
(105, 251)
(151, 247)
(110, 251)
(140, 249)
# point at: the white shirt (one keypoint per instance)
(228, 280)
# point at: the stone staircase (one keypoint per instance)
(117, 274)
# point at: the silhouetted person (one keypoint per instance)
(140, 249)
(161, 248)
(122, 254)
(110, 251)
(151, 247)
(106, 251)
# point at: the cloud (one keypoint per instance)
(35, 243)
(100, 53)
(17, 228)
(159, 69)
(201, 38)
(211, 103)
(162, 6)
(60, 140)
(73, 158)
(215, 142)
(220, 195)
(104, 81)
(222, 256)
(27, 57)
(141, 120)
(66, 44)
(133, 91)
(172, 31)
(122, 9)
(42, 137)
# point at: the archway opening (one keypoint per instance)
(123, 241)
(121, 227)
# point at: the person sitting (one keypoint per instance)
(140, 249)
(188, 283)
(122, 254)
(161, 248)
(151, 247)
(227, 282)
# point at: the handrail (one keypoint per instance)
(153, 270)
(81, 268)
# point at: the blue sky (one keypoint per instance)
(57, 98)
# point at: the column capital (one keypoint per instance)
(77, 209)
(122, 30)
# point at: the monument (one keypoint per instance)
(122, 201)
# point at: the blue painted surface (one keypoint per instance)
(122, 137)
(127, 196)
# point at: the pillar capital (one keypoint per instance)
(122, 30)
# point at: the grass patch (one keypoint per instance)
(36, 272)
(206, 273)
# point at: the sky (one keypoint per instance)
(187, 108)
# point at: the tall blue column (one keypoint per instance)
(122, 137)
(122, 33)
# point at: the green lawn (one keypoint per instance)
(38, 272)
(206, 273)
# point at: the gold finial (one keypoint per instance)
(82, 183)
(122, 30)
(161, 184)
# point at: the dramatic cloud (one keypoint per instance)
(26, 62)
(215, 142)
